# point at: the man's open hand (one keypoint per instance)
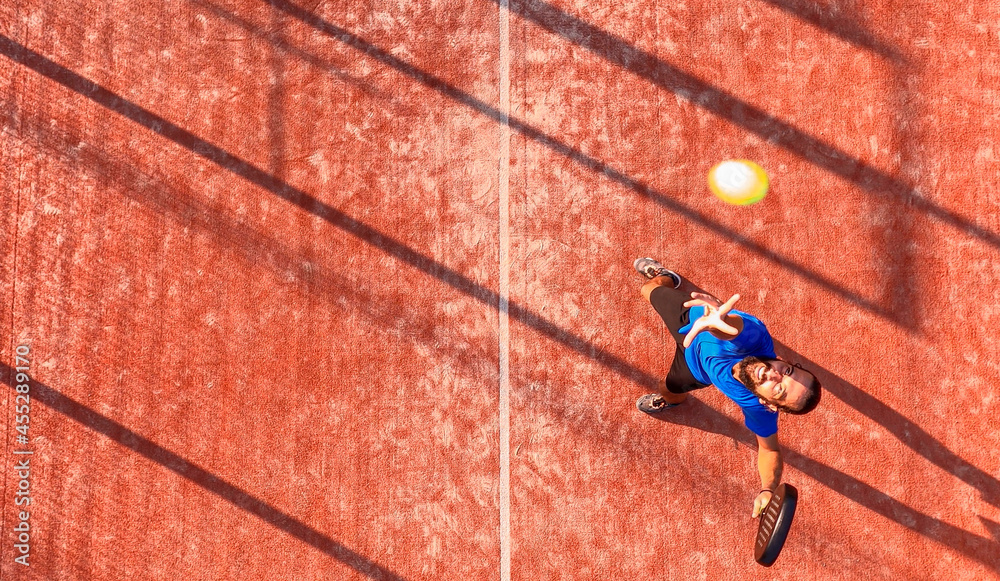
(714, 318)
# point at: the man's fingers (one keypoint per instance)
(726, 327)
(714, 317)
(697, 327)
(728, 306)
(709, 299)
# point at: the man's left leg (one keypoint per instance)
(667, 292)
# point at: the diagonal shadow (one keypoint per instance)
(699, 416)
(694, 414)
(991, 526)
(910, 434)
(82, 414)
(312, 205)
(275, 39)
(907, 432)
(839, 25)
(595, 165)
(717, 422)
(923, 444)
(982, 549)
(977, 547)
(168, 199)
(620, 53)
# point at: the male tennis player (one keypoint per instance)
(732, 350)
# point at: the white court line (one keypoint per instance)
(504, 331)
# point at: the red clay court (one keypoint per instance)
(344, 290)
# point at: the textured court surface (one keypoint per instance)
(343, 290)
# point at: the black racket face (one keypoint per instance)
(775, 521)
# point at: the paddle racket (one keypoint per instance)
(775, 520)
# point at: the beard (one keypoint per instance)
(745, 371)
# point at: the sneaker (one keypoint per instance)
(651, 269)
(652, 403)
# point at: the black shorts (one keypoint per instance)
(669, 304)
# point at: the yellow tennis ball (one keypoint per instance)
(738, 181)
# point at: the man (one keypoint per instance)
(732, 350)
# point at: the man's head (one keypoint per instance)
(780, 385)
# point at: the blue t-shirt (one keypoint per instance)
(711, 361)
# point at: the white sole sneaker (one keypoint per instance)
(651, 269)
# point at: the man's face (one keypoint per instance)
(777, 383)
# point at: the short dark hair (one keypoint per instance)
(812, 400)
